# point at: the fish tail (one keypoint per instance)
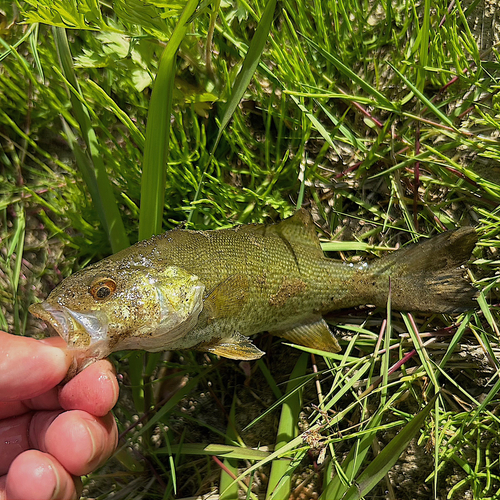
(427, 276)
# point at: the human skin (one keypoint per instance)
(51, 434)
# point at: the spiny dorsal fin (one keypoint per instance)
(297, 230)
(314, 334)
(227, 298)
(235, 347)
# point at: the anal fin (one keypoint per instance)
(314, 334)
(235, 347)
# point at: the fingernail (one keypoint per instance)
(57, 486)
(111, 376)
(94, 451)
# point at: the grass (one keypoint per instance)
(381, 118)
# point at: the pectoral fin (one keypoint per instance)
(314, 334)
(235, 347)
(227, 298)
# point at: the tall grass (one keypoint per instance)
(381, 118)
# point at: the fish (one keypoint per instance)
(212, 290)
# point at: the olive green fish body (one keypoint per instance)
(210, 290)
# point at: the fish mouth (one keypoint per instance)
(79, 330)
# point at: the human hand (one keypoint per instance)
(50, 435)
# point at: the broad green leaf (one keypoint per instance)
(81, 14)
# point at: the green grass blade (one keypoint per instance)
(281, 401)
(105, 199)
(351, 75)
(173, 401)
(279, 479)
(171, 462)
(423, 40)
(158, 132)
(424, 99)
(219, 450)
(352, 463)
(33, 45)
(316, 124)
(384, 365)
(84, 165)
(136, 362)
(349, 135)
(228, 489)
(135, 133)
(242, 81)
(269, 379)
(384, 461)
(17, 245)
(10, 49)
(420, 348)
(247, 71)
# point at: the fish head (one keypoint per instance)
(112, 306)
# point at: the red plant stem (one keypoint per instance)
(450, 8)
(380, 335)
(360, 108)
(223, 467)
(402, 361)
(466, 112)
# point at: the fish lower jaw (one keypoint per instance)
(79, 330)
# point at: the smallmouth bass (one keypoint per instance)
(210, 290)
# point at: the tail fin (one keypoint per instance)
(427, 276)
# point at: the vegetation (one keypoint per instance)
(382, 118)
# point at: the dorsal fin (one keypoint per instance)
(296, 230)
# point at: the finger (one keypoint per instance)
(18, 434)
(94, 390)
(79, 441)
(36, 475)
(3, 480)
(47, 401)
(11, 409)
(13, 439)
(29, 367)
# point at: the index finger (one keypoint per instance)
(30, 367)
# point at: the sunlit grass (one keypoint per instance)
(381, 118)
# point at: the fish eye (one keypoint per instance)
(102, 288)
